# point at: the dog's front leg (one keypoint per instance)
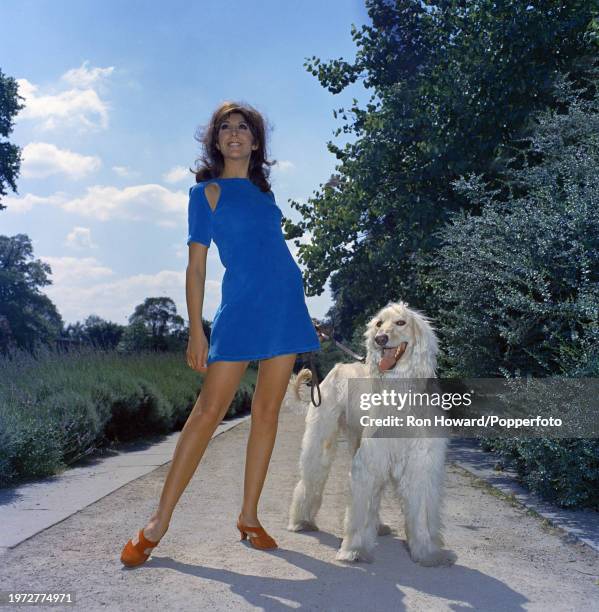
(362, 514)
(318, 451)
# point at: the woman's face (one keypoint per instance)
(235, 140)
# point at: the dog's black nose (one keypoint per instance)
(381, 339)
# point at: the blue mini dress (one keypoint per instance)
(263, 310)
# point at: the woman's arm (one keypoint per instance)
(195, 278)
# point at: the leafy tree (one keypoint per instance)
(135, 338)
(102, 333)
(10, 154)
(27, 316)
(454, 84)
(164, 327)
(96, 331)
(519, 284)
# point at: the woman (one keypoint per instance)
(262, 315)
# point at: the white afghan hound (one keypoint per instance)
(400, 343)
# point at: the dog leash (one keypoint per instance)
(315, 382)
(326, 334)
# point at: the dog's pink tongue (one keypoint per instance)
(391, 356)
(388, 359)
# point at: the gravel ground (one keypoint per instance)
(508, 558)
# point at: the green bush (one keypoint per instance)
(56, 407)
(519, 285)
(76, 421)
(564, 471)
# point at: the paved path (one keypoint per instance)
(581, 525)
(32, 507)
(507, 558)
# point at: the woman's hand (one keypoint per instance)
(197, 352)
(321, 335)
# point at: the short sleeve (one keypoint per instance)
(199, 217)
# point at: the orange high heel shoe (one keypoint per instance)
(134, 555)
(258, 536)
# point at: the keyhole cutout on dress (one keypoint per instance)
(212, 193)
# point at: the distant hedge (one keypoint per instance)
(56, 407)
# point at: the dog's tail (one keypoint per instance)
(297, 398)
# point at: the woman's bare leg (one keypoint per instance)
(271, 385)
(221, 381)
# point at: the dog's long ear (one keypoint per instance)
(426, 345)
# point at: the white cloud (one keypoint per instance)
(41, 159)
(181, 250)
(177, 174)
(80, 106)
(284, 165)
(84, 76)
(29, 200)
(149, 203)
(140, 202)
(123, 171)
(167, 223)
(71, 271)
(80, 238)
(81, 287)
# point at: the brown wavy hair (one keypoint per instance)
(211, 163)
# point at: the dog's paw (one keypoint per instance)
(383, 529)
(353, 555)
(435, 558)
(302, 526)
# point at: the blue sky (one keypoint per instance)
(114, 94)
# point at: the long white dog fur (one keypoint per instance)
(415, 467)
